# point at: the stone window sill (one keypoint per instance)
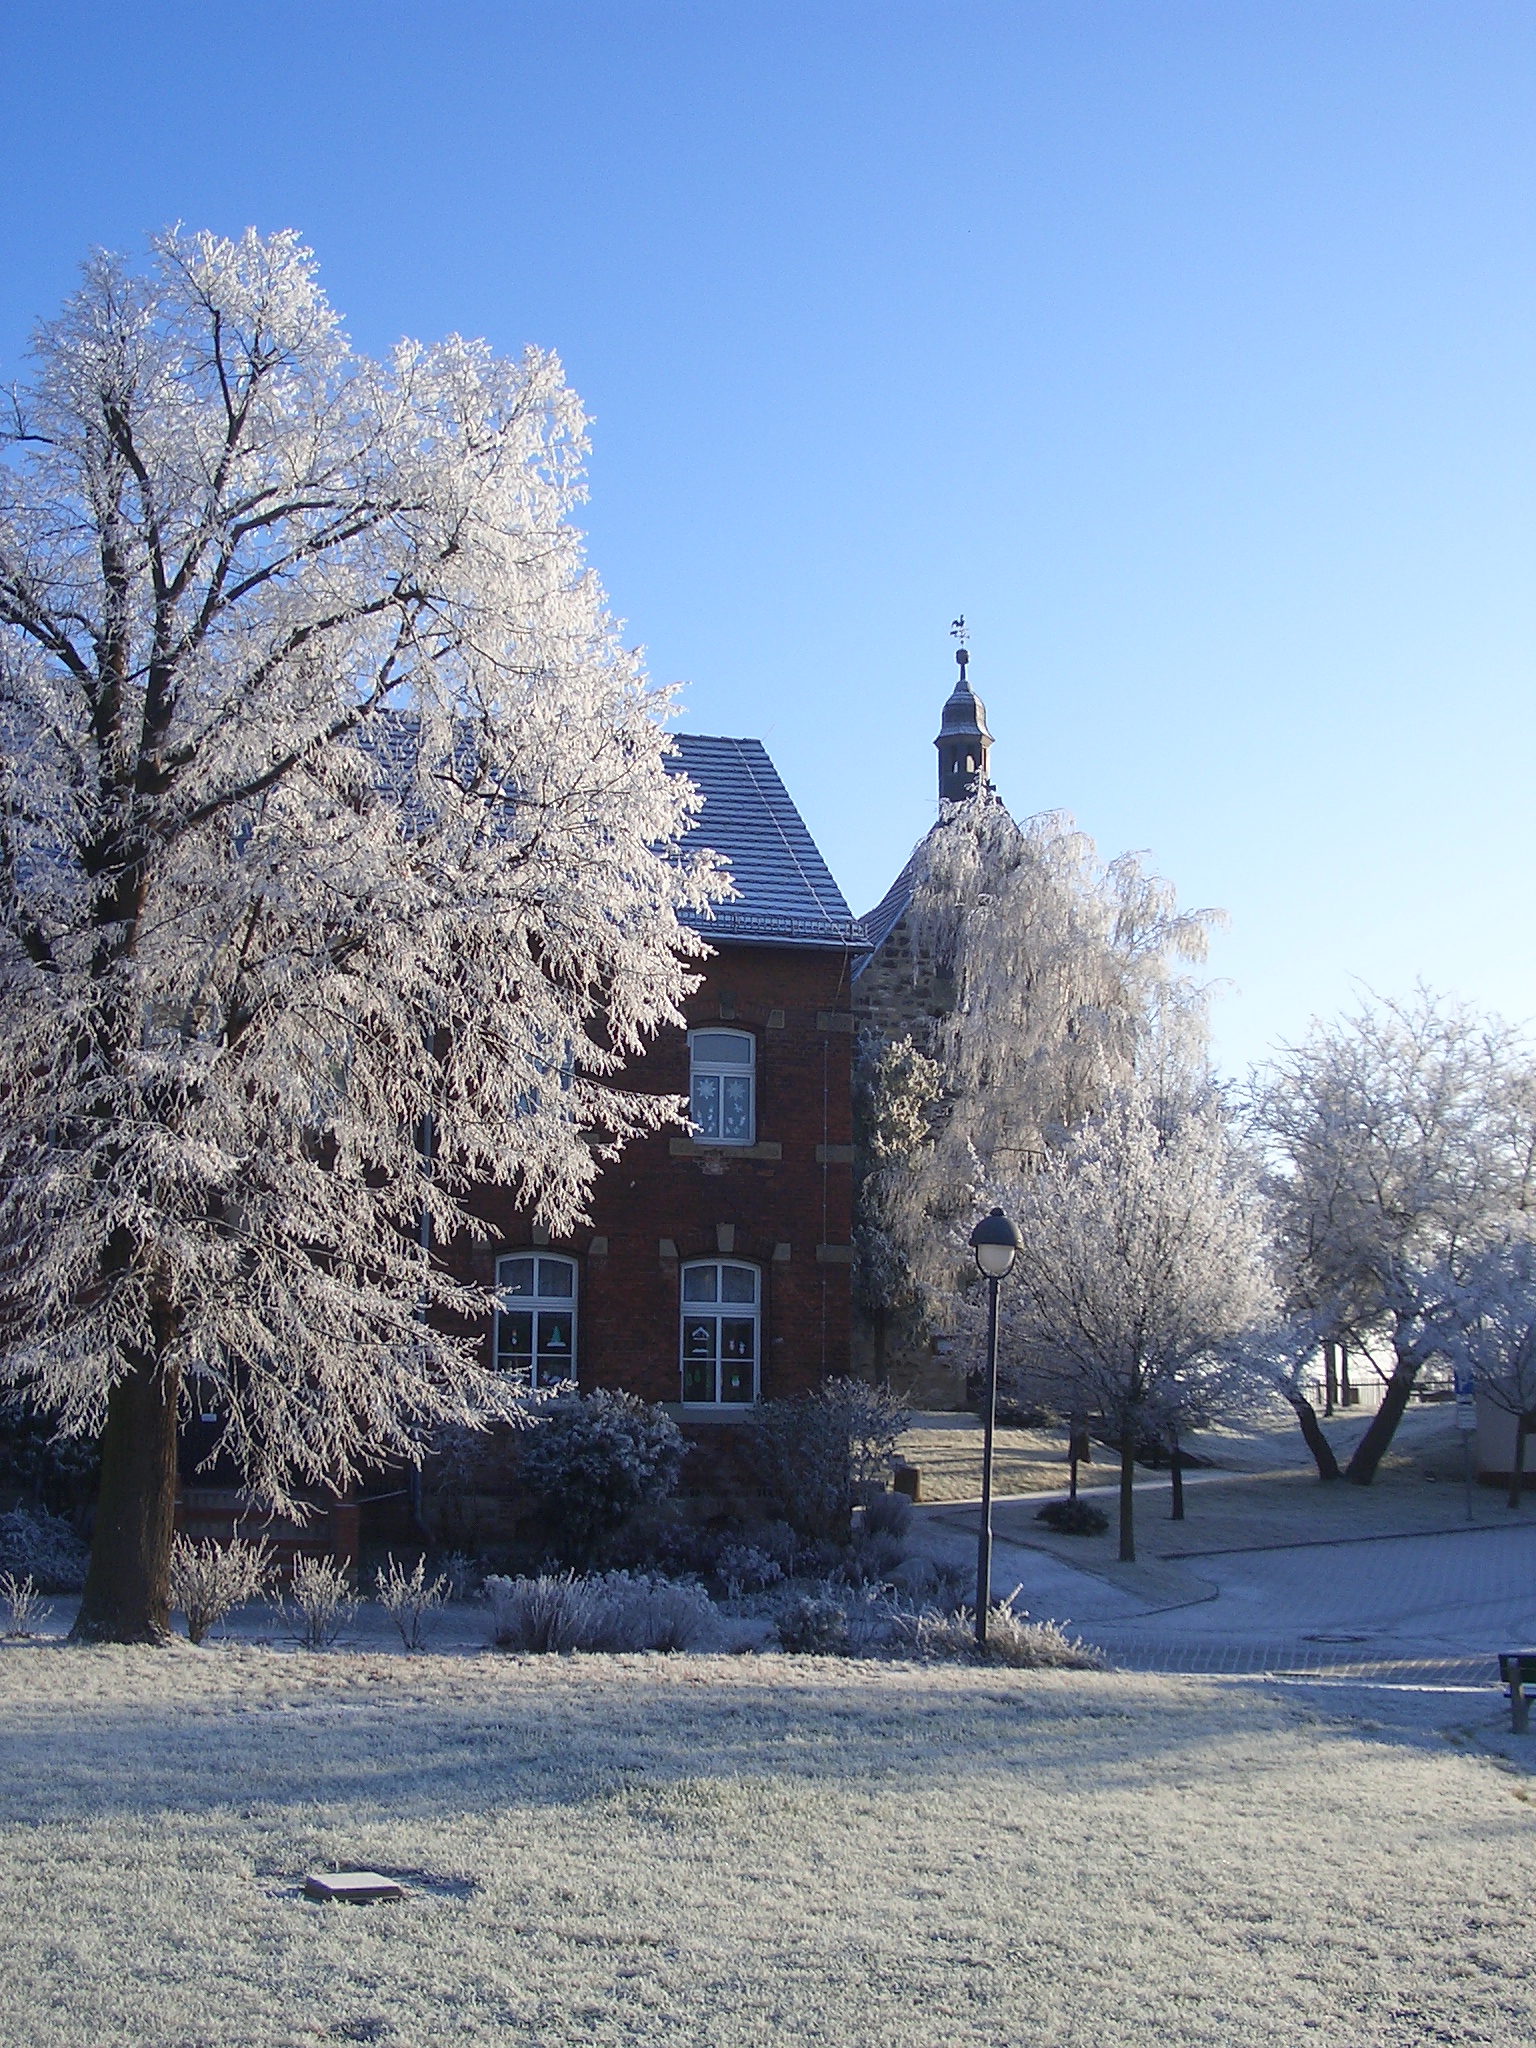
(688, 1148)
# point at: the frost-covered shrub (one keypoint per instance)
(813, 1626)
(1012, 1638)
(1073, 1518)
(823, 1452)
(887, 1514)
(612, 1611)
(461, 1574)
(38, 1463)
(952, 1584)
(19, 1599)
(871, 1560)
(45, 1546)
(409, 1598)
(746, 1568)
(322, 1599)
(660, 1614)
(209, 1580)
(594, 1460)
(549, 1613)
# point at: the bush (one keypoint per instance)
(614, 1611)
(19, 1598)
(209, 1580)
(1073, 1518)
(37, 1461)
(594, 1460)
(43, 1546)
(814, 1626)
(746, 1568)
(322, 1600)
(410, 1598)
(887, 1514)
(822, 1453)
(1012, 1638)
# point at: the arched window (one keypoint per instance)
(722, 1068)
(721, 1321)
(536, 1317)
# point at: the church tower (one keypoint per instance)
(963, 740)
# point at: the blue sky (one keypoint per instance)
(1186, 348)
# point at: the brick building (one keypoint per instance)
(715, 1271)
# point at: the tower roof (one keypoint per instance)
(964, 713)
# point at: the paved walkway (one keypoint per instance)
(1409, 1609)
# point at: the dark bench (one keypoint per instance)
(1517, 1668)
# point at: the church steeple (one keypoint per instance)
(963, 740)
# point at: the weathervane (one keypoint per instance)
(962, 655)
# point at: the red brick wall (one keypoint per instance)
(798, 1005)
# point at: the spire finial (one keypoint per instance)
(962, 652)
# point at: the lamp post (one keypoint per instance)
(995, 1241)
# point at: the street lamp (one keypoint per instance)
(995, 1241)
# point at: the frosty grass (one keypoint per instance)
(748, 1850)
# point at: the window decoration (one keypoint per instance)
(721, 1087)
(721, 1321)
(536, 1318)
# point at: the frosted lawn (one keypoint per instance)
(748, 1850)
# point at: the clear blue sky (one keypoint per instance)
(1186, 348)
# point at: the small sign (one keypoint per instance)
(352, 1887)
(1466, 1402)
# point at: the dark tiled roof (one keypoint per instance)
(879, 923)
(785, 894)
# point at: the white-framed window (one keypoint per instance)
(722, 1318)
(722, 1087)
(536, 1317)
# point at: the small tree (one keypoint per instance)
(594, 1461)
(1143, 1257)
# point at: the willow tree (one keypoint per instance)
(335, 829)
(1065, 981)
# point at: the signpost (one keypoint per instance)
(1466, 1422)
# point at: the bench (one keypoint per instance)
(1517, 1668)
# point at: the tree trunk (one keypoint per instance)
(882, 1370)
(1361, 1469)
(127, 1585)
(1316, 1442)
(1346, 1391)
(1517, 1476)
(1128, 1490)
(1176, 1475)
(1330, 1378)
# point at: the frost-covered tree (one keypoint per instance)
(335, 837)
(1143, 1260)
(1404, 1138)
(1063, 980)
(1493, 1334)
